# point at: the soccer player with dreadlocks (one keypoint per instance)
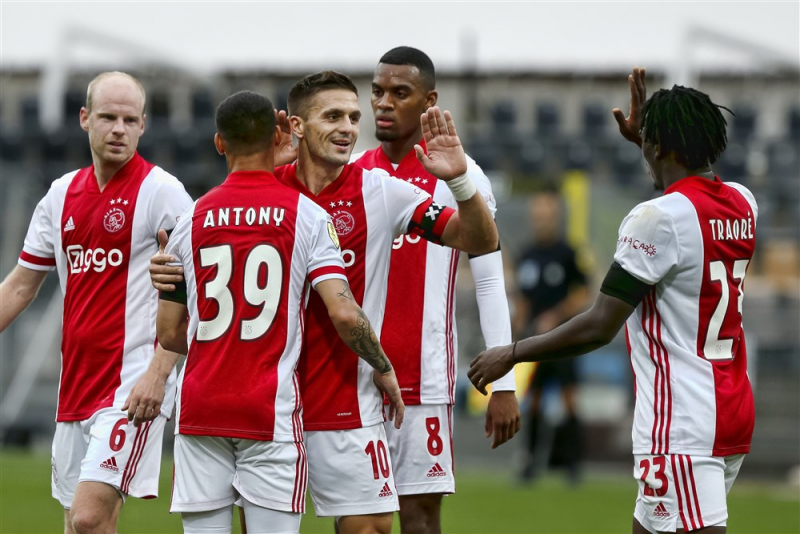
(677, 284)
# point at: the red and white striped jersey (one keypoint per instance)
(101, 243)
(686, 340)
(248, 247)
(420, 334)
(369, 210)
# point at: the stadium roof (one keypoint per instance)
(546, 36)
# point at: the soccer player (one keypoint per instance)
(97, 226)
(419, 326)
(677, 283)
(248, 247)
(350, 470)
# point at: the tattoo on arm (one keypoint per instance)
(365, 343)
(345, 292)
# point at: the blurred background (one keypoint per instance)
(531, 87)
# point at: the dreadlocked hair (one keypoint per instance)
(685, 121)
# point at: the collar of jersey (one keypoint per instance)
(693, 181)
(328, 189)
(250, 178)
(126, 171)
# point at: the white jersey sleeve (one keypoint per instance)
(401, 200)
(170, 201)
(43, 237)
(325, 258)
(648, 245)
(180, 240)
(483, 184)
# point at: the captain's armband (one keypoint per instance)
(429, 221)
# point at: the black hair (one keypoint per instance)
(246, 121)
(406, 55)
(313, 84)
(685, 121)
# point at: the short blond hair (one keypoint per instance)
(105, 75)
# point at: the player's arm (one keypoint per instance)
(17, 291)
(147, 395)
(471, 228)
(172, 323)
(502, 413)
(619, 295)
(355, 330)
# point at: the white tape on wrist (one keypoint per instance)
(462, 188)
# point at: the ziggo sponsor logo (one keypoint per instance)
(97, 259)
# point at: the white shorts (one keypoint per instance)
(422, 450)
(107, 448)
(350, 472)
(211, 473)
(683, 492)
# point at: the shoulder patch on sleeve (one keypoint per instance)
(333, 235)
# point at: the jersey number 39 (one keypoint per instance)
(266, 297)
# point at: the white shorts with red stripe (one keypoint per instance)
(677, 491)
(422, 450)
(212, 472)
(350, 472)
(107, 448)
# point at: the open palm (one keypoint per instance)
(445, 158)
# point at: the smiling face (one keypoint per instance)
(399, 97)
(329, 130)
(115, 120)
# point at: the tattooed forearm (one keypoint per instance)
(345, 292)
(365, 343)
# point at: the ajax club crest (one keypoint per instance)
(114, 219)
(343, 221)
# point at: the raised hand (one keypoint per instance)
(631, 125)
(445, 158)
(490, 365)
(163, 276)
(285, 153)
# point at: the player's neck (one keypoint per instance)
(316, 174)
(676, 174)
(104, 171)
(398, 149)
(260, 161)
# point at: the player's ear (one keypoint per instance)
(276, 136)
(219, 142)
(297, 126)
(84, 118)
(431, 99)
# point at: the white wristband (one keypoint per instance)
(462, 188)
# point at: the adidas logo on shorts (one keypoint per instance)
(110, 464)
(661, 511)
(436, 471)
(386, 491)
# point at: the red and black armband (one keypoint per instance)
(429, 221)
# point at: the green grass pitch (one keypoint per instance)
(486, 502)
